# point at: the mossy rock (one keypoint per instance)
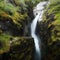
(21, 48)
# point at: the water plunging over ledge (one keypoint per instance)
(39, 9)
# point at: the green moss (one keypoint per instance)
(7, 10)
(53, 9)
(4, 43)
(7, 7)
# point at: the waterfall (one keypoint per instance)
(39, 9)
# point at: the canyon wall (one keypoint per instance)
(49, 31)
(15, 40)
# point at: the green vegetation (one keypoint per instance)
(15, 12)
(55, 9)
(10, 11)
(53, 15)
(4, 43)
(7, 7)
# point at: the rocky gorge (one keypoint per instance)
(16, 42)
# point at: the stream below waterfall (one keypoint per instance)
(38, 12)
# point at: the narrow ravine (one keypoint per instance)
(39, 9)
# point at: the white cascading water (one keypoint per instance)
(39, 9)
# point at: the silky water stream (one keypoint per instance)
(38, 12)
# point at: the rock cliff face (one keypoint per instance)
(15, 18)
(49, 32)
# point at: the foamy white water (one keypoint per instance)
(39, 10)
